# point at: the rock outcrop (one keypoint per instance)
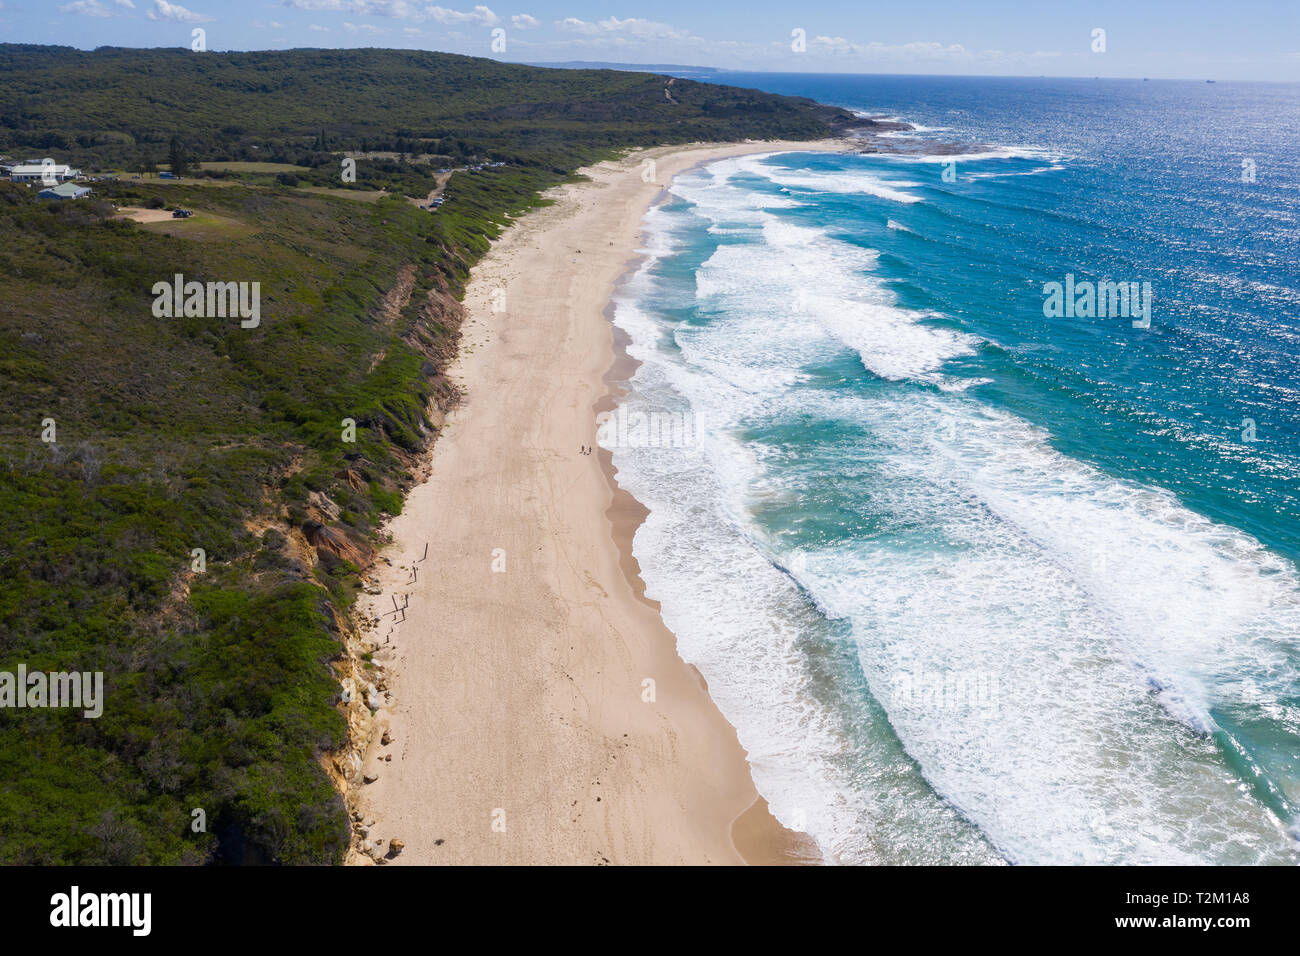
(336, 545)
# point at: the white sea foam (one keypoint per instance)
(996, 152)
(1052, 168)
(819, 281)
(1097, 604)
(848, 183)
(1113, 623)
(742, 621)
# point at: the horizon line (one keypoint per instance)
(646, 67)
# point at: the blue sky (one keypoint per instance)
(1249, 39)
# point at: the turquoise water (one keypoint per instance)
(977, 583)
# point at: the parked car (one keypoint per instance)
(182, 213)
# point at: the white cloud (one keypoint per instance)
(522, 21)
(928, 51)
(361, 28)
(162, 10)
(900, 51)
(867, 54)
(831, 44)
(318, 28)
(480, 15)
(87, 8)
(399, 10)
(633, 27)
(125, 3)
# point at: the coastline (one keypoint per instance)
(517, 725)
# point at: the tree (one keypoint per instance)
(176, 156)
(146, 162)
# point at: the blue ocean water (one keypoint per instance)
(976, 583)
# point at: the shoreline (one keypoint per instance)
(520, 725)
(757, 836)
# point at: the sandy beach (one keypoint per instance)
(519, 725)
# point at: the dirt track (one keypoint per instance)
(138, 214)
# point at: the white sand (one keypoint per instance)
(519, 730)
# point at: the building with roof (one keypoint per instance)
(40, 171)
(65, 191)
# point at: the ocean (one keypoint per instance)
(979, 578)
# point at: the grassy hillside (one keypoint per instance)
(117, 104)
(194, 433)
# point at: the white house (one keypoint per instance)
(46, 172)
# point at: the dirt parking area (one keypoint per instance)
(138, 214)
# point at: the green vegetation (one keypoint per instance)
(121, 107)
(257, 167)
(202, 225)
(194, 433)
